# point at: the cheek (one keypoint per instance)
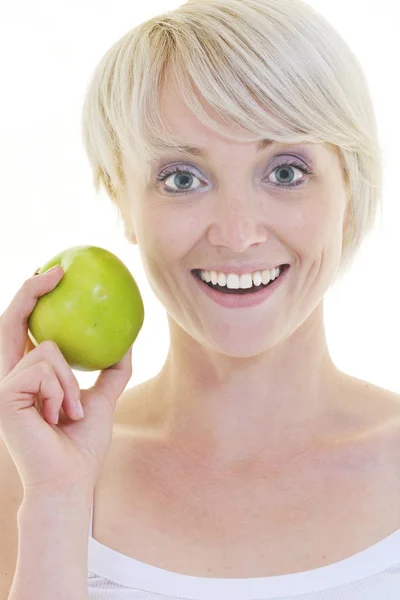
(174, 232)
(166, 236)
(321, 226)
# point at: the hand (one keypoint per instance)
(37, 386)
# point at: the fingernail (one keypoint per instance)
(79, 410)
(45, 272)
(51, 270)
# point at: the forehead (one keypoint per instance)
(189, 131)
(182, 122)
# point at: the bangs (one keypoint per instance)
(249, 90)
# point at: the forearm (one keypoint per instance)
(53, 536)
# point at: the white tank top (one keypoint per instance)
(373, 574)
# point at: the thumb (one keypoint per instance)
(112, 381)
(29, 346)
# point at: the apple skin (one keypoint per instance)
(94, 313)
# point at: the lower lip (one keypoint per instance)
(242, 300)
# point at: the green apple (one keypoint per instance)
(94, 313)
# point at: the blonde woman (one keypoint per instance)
(238, 141)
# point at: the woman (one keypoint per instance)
(238, 141)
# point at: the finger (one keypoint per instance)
(112, 381)
(29, 344)
(48, 351)
(14, 320)
(18, 415)
(21, 390)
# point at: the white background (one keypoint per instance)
(48, 51)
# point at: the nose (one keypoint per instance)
(237, 223)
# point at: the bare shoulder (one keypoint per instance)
(11, 496)
(368, 415)
(386, 402)
(378, 409)
(137, 409)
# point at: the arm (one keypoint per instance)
(53, 531)
(57, 460)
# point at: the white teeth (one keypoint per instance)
(245, 281)
(221, 279)
(257, 278)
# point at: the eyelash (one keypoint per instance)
(186, 171)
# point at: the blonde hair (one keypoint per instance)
(275, 68)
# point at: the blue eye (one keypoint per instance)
(186, 176)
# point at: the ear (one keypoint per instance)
(130, 235)
(126, 217)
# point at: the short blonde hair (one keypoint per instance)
(275, 68)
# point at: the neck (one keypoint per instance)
(230, 409)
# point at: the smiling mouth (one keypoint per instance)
(253, 290)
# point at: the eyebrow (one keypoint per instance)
(202, 152)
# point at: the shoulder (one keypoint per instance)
(135, 409)
(367, 413)
(378, 403)
(378, 410)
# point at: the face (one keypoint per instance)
(235, 206)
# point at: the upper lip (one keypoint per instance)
(241, 269)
